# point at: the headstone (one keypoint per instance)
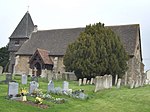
(84, 81)
(24, 79)
(132, 84)
(65, 86)
(8, 77)
(91, 82)
(34, 78)
(105, 81)
(118, 83)
(125, 80)
(33, 86)
(50, 86)
(110, 81)
(137, 82)
(13, 88)
(88, 81)
(80, 82)
(96, 83)
(116, 78)
(1, 70)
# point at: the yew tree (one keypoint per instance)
(97, 51)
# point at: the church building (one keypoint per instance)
(34, 51)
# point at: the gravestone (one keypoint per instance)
(88, 81)
(137, 82)
(65, 86)
(110, 81)
(13, 88)
(91, 82)
(34, 78)
(1, 70)
(132, 82)
(24, 79)
(80, 82)
(116, 78)
(33, 86)
(84, 81)
(118, 83)
(96, 83)
(50, 86)
(8, 77)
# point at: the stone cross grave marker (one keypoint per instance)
(65, 86)
(33, 86)
(24, 79)
(84, 81)
(50, 86)
(13, 88)
(80, 82)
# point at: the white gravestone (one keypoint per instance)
(13, 88)
(116, 78)
(50, 86)
(1, 70)
(91, 82)
(65, 86)
(118, 83)
(80, 82)
(84, 81)
(24, 79)
(33, 86)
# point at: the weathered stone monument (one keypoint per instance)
(65, 86)
(24, 79)
(33, 86)
(13, 88)
(50, 86)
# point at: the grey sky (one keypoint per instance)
(53, 14)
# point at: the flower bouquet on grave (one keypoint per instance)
(24, 93)
(38, 100)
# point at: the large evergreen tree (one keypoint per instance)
(97, 51)
(4, 57)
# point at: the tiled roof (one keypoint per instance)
(24, 28)
(45, 56)
(56, 41)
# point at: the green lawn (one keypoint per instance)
(111, 100)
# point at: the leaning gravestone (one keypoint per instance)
(33, 86)
(50, 86)
(65, 86)
(24, 79)
(13, 88)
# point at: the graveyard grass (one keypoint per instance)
(110, 100)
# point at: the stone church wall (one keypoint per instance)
(21, 65)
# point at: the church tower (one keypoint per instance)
(18, 37)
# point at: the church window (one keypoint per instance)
(16, 42)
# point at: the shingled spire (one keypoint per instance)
(24, 28)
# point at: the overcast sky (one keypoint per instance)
(54, 14)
